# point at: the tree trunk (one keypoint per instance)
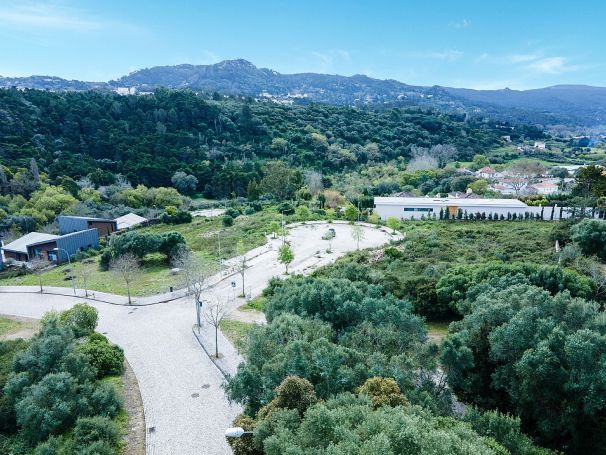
(128, 290)
(216, 342)
(198, 311)
(40, 279)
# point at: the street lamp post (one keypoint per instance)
(237, 432)
(69, 263)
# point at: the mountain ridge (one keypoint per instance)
(571, 105)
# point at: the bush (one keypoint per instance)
(591, 237)
(107, 359)
(383, 392)
(180, 217)
(286, 208)
(249, 211)
(81, 319)
(227, 221)
(49, 407)
(232, 212)
(89, 430)
(105, 260)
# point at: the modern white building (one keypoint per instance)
(417, 207)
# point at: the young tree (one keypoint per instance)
(194, 273)
(37, 266)
(214, 314)
(393, 223)
(351, 212)
(358, 234)
(286, 256)
(274, 228)
(241, 264)
(85, 271)
(126, 267)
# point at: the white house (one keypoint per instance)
(545, 188)
(540, 145)
(416, 207)
(488, 173)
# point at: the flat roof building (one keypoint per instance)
(68, 224)
(416, 207)
(51, 247)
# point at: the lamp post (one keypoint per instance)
(220, 258)
(237, 432)
(69, 263)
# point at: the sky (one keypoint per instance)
(458, 43)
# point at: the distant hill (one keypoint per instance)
(571, 106)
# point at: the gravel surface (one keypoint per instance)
(186, 411)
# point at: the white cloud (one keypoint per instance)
(550, 65)
(327, 58)
(450, 55)
(522, 58)
(26, 15)
(464, 23)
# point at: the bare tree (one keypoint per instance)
(194, 273)
(85, 271)
(127, 268)
(358, 234)
(421, 160)
(313, 179)
(214, 314)
(33, 168)
(443, 153)
(37, 265)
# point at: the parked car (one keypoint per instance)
(329, 234)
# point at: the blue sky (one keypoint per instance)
(477, 44)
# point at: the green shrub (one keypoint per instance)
(232, 212)
(107, 359)
(81, 319)
(227, 221)
(89, 430)
(383, 392)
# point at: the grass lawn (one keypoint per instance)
(437, 330)
(255, 304)
(9, 325)
(202, 236)
(235, 331)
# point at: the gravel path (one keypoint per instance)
(186, 411)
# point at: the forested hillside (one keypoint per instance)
(222, 141)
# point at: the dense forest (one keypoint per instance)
(222, 141)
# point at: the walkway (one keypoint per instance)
(186, 410)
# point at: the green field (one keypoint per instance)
(202, 235)
(9, 325)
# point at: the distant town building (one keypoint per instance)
(545, 188)
(488, 173)
(540, 145)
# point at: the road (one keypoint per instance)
(186, 411)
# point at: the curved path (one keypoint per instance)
(186, 411)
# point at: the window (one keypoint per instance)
(418, 209)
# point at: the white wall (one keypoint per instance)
(386, 211)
